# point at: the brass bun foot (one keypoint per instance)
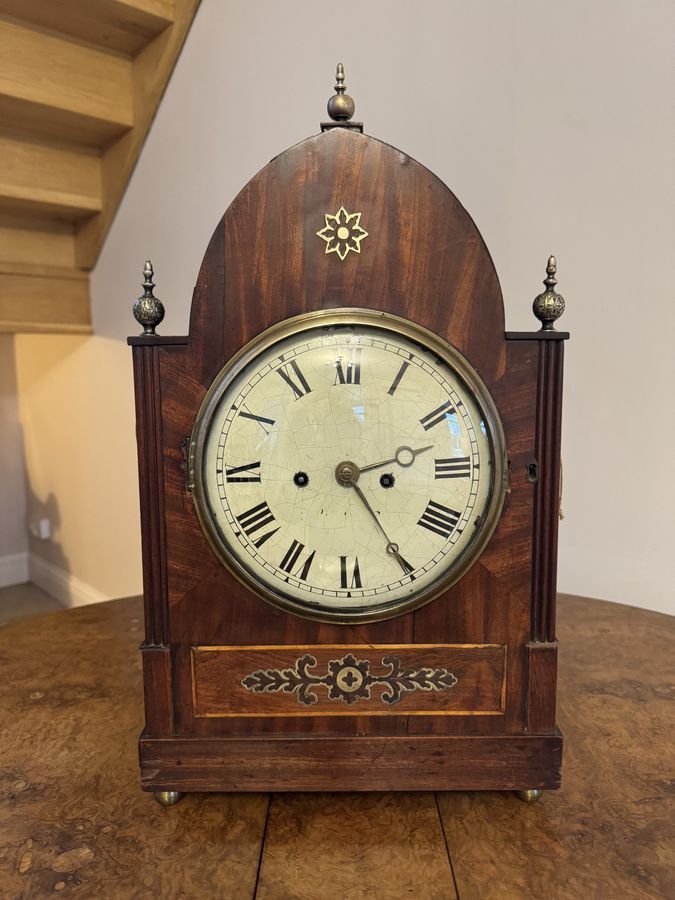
(529, 796)
(167, 798)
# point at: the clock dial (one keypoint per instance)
(348, 469)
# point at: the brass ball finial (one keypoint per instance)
(341, 106)
(549, 306)
(148, 309)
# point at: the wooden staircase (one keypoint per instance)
(80, 81)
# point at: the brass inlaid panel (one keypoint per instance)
(342, 680)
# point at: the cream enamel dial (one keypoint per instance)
(348, 465)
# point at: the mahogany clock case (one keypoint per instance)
(423, 259)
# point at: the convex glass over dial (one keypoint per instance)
(348, 465)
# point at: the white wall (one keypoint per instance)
(551, 122)
(76, 398)
(13, 526)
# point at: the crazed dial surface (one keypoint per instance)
(348, 470)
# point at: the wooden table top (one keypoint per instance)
(74, 822)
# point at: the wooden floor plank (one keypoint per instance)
(352, 846)
(72, 815)
(610, 831)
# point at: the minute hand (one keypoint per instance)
(391, 547)
(405, 456)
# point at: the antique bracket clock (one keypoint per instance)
(349, 479)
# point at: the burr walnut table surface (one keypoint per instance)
(74, 823)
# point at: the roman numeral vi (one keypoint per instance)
(350, 576)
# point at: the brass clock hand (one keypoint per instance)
(405, 456)
(347, 474)
(391, 547)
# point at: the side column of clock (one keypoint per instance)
(528, 759)
(544, 472)
(155, 649)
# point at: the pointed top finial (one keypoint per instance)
(148, 309)
(549, 306)
(148, 271)
(340, 106)
(551, 269)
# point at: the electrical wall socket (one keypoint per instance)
(41, 528)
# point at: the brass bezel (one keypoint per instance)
(386, 322)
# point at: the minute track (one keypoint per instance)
(314, 527)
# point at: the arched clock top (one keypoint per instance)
(342, 220)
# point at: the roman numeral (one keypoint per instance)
(399, 375)
(346, 575)
(439, 519)
(437, 415)
(256, 518)
(291, 558)
(353, 374)
(298, 389)
(261, 420)
(238, 473)
(456, 467)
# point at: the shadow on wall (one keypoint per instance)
(24, 516)
(77, 414)
(13, 532)
(48, 565)
(28, 524)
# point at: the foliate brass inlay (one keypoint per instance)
(342, 232)
(348, 679)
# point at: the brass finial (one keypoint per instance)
(341, 106)
(148, 309)
(549, 306)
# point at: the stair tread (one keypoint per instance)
(44, 299)
(37, 270)
(28, 199)
(125, 26)
(43, 177)
(26, 239)
(80, 83)
(55, 85)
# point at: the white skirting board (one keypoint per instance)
(67, 588)
(13, 569)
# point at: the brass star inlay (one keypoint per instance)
(342, 232)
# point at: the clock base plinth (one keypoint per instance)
(168, 798)
(393, 763)
(529, 796)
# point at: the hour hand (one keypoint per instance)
(405, 456)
